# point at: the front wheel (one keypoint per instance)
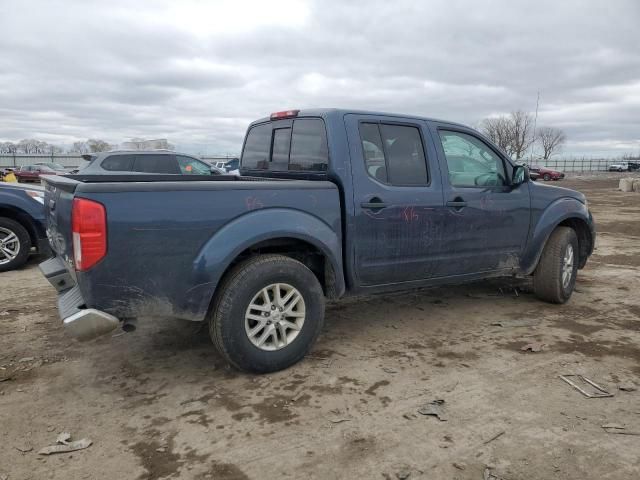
(15, 244)
(546, 177)
(268, 313)
(555, 276)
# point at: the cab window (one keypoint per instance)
(394, 154)
(470, 161)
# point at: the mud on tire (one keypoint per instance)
(233, 325)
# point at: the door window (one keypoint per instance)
(155, 163)
(192, 166)
(394, 154)
(118, 163)
(470, 161)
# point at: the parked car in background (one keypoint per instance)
(146, 162)
(54, 166)
(330, 203)
(32, 173)
(619, 167)
(22, 224)
(233, 166)
(546, 173)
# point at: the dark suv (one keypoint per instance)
(154, 161)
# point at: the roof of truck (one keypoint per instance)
(324, 112)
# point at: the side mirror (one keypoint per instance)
(520, 175)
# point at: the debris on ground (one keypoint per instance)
(627, 388)
(434, 408)
(518, 322)
(489, 475)
(459, 466)
(587, 387)
(615, 426)
(24, 448)
(65, 445)
(495, 437)
(338, 420)
(533, 347)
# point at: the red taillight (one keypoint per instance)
(284, 114)
(89, 229)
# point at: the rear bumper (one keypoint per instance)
(78, 321)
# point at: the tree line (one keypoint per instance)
(516, 134)
(33, 146)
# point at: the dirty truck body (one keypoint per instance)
(330, 202)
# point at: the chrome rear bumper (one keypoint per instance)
(79, 321)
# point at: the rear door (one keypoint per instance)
(487, 220)
(398, 200)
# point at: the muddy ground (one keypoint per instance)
(161, 403)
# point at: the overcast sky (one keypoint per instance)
(197, 72)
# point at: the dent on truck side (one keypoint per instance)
(250, 229)
(557, 212)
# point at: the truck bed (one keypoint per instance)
(169, 237)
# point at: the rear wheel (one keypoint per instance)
(15, 244)
(268, 313)
(555, 276)
(546, 177)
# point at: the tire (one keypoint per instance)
(548, 284)
(229, 329)
(546, 177)
(7, 228)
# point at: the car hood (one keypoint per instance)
(554, 192)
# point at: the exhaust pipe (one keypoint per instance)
(130, 325)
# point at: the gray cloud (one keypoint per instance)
(198, 72)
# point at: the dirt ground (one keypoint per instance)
(161, 403)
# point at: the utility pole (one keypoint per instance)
(535, 121)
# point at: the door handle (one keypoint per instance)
(457, 203)
(374, 203)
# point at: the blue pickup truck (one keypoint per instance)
(330, 203)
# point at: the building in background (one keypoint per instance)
(142, 144)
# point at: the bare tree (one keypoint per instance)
(33, 146)
(498, 131)
(522, 136)
(8, 147)
(96, 145)
(79, 147)
(551, 139)
(513, 133)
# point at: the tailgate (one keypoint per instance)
(58, 200)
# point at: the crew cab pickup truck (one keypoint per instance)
(330, 203)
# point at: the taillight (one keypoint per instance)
(89, 230)
(284, 114)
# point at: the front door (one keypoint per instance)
(488, 219)
(398, 200)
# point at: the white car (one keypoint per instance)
(619, 167)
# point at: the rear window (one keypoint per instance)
(118, 163)
(300, 145)
(154, 163)
(256, 148)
